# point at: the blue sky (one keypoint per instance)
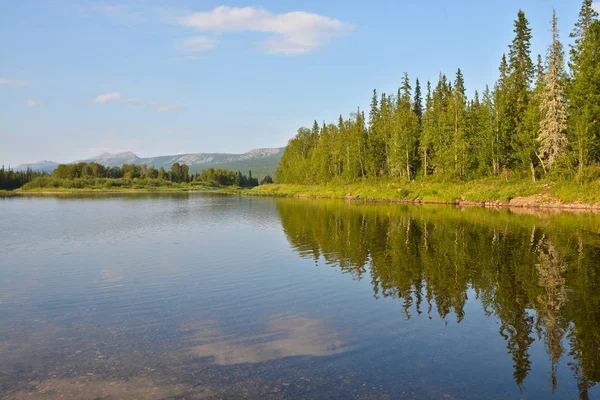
(78, 78)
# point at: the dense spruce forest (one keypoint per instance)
(10, 180)
(96, 176)
(538, 120)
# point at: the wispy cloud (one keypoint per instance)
(30, 103)
(169, 107)
(296, 32)
(105, 98)
(11, 82)
(196, 44)
(596, 6)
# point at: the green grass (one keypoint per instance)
(52, 185)
(7, 193)
(431, 191)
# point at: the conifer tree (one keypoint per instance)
(418, 101)
(375, 145)
(587, 15)
(484, 134)
(427, 131)
(521, 73)
(503, 121)
(459, 108)
(553, 106)
(527, 139)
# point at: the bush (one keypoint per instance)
(588, 175)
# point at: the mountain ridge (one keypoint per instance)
(263, 161)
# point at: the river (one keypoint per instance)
(202, 295)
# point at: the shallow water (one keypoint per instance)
(195, 295)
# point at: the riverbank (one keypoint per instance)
(484, 193)
(49, 185)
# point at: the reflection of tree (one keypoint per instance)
(551, 269)
(513, 264)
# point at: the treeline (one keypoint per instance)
(10, 180)
(178, 173)
(537, 119)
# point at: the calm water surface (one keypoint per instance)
(193, 296)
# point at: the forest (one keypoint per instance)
(541, 119)
(96, 176)
(10, 180)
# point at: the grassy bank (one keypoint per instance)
(7, 193)
(52, 185)
(498, 192)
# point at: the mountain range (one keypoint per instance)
(261, 161)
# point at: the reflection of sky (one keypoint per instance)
(283, 337)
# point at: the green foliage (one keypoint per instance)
(558, 186)
(93, 176)
(517, 129)
(584, 96)
(10, 180)
(266, 180)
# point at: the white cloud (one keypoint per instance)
(104, 98)
(31, 103)
(596, 6)
(195, 44)
(296, 32)
(168, 107)
(11, 82)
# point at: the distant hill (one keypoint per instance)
(114, 160)
(42, 166)
(261, 161)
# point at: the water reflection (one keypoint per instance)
(538, 274)
(284, 336)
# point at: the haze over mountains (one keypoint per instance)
(260, 161)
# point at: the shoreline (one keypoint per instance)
(102, 191)
(540, 200)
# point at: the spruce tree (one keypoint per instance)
(504, 126)
(587, 14)
(459, 108)
(426, 131)
(375, 145)
(521, 73)
(553, 105)
(418, 101)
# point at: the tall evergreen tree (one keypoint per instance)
(427, 131)
(527, 139)
(553, 106)
(375, 143)
(521, 74)
(587, 15)
(459, 110)
(418, 101)
(579, 90)
(504, 126)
